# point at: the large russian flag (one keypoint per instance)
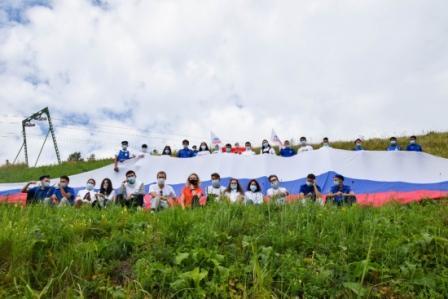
(376, 177)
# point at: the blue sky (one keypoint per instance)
(157, 71)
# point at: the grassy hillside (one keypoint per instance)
(433, 143)
(225, 251)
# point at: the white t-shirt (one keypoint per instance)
(278, 191)
(109, 197)
(136, 188)
(305, 148)
(83, 193)
(248, 153)
(215, 191)
(255, 197)
(167, 190)
(203, 153)
(233, 195)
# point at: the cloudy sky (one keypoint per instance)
(155, 71)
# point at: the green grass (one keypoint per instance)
(22, 173)
(225, 251)
(434, 143)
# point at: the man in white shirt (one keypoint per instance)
(248, 150)
(131, 192)
(304, 147)
(143, 152)
(276, 192)
(215, 190)
(87, 195)
(162, 195)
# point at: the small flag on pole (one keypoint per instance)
(275, 139)
(215, 139)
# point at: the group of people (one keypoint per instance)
(131, 192)
(286, 150)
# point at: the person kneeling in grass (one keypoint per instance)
(192, 194)
(340, 194)
(131, 191)
(87, 195)
(161, 195)
(38, 193)
(216, 190)
(276, 192)
(253, 194)
(234, 193)
(310, 190)
(62, 194)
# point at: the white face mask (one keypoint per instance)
(45, 184)
(161, 181)
(124, 147)
(358, 144)
(233, 186)
(203, 147)
(248, 148)
(303, 142)
(275, 184)
(335, 182)
(308, 183)
(253, 188)
(412, 141)
(167, 151)
(393, 142)
(326, 144)
(131, 180)
(90, 186)
(215, 183)
(265, 144)
(144, 150)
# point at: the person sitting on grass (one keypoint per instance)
(106, 195)
(167, 151)
(131, 191)
(358, 145)
(215, 190)
(162, 195)
(413, 146)
(310, 190)
(287, 150)
(87, 195)
(393, 146)
(276, 192)
(62, 194)
(123, 155)
(253, 194)
(248, 149)
(185, 152)
(192, 194)
(234, 193)
(304, 146)
(203, 150)
(266, 148)
(38, 193)
(340, 194)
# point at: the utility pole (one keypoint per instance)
(41, 115)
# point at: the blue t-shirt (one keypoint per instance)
(344, 189)
(287, 152)
(38, 193)
(185, 153)
(414, 147)
(392, 148)
(58, 194)
(358, 148)
(305, 189)
(123, 155)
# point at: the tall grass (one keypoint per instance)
(225, 251)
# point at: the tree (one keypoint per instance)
(91, 157)
(75, 157)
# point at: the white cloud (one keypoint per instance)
(168, 69)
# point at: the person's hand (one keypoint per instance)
(116, 168)
(339, 193)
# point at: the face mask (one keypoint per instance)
(275, 184)
(89, 186)
(253, 188)
(358, 144)
(193, 181)
(308, 183)
(45, 184)
(233, 186)
(393, 142)
(248, 148)
(131, 180)
(215, 183)
(286, 145)
(167, 151)
(228, 150)
(412, 141)
(161, 181)
(303, 142)
(124, 147)
(63, 185)
(144, 150)
(326, 144)
(335, 182)
(203, 147)
(185, 146)
(265, 144)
